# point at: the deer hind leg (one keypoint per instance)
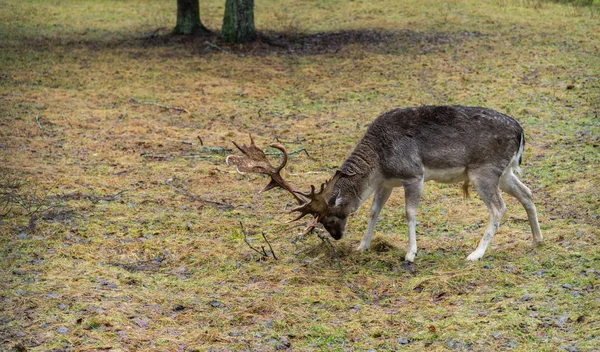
(381, 196)
(486, 185)
(412, 197)
(510, 184)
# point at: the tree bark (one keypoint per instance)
(238, 22)
(188, 18)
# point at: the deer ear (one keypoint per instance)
(331, 198)
(334, 200)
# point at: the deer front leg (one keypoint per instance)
(381, 196)
(412, 197)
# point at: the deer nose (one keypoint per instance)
(336, 234)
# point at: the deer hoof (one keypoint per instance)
(473, 257)
(362, 247)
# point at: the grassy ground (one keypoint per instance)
(120, 227)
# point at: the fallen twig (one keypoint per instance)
(269, 243)
(112, 197)
(216, 47)
(297, 151)
(308, 173)
(514, 220)
(181, 189)
(34, 203)
(289, 142)
(218, 204)
(134, 101)
(92, 197)
(153, 156)
(263, 253)
(215, 150)
(153, 34)
(335, 253)
(37, 119)
(274, 42)
(198, 156)
(326, 240)
(208, 150)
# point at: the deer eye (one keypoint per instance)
(329, 222)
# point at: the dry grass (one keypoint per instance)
(138, 245)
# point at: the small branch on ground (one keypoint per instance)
(220, 205)
(215, 46)
(37, 119)
(297, 151)
(215, 150)
(5, 206)
(208, 150)
(134, 101)
(94, 198)
(335, 255)
(513, 219)
(325, 239)
(273, 42)
(182, 189)
(332, 249)
(112, 197)
(263, 252)
(34, 203)
(153, 156)
(154, 33)
(270, 248)
(308, 173)
(299, 141)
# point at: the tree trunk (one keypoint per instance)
(238, 22)
(188, 18)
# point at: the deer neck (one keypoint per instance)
(360, 177)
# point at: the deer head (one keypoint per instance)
(313, 202)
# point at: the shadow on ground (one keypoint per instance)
(268, 43)
(323, 43)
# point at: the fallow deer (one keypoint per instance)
(405, 148)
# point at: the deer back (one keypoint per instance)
(401, 142)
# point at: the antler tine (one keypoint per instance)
(254, 160)
(237, 146)
(317, 204)
(242, 149)
(283, 152)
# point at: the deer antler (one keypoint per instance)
(318, 200)
(254, 160)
